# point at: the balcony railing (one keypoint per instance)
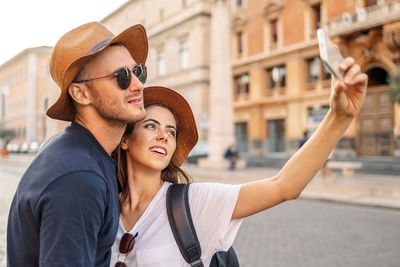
(363, 18)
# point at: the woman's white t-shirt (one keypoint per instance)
(211, 206)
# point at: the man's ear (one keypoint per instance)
(79, 93)
(124, 142)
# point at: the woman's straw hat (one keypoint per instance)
(187, 134)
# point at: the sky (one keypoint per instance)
(31, 23)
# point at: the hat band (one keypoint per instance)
(100, 45)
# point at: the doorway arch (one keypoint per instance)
(375, 122)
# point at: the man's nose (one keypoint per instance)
(136, 84)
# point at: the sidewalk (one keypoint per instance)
(360, 189)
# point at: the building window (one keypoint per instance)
(313, 69)
(242, 83)
(239, 3)
(239, 38)
(276, 135)
(316, 114)
(316, 70)
(370, 3)
(325, 73)
(183, 55)
(161, 68)
(315, 17)
(241, 136)
(274, 32)
(277, 77)
(271, 82)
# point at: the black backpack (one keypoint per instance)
(180, 220)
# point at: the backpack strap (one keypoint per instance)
(181, 223)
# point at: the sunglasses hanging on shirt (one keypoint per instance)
(125, 247)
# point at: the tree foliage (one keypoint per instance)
(394, 91)
(6, 135)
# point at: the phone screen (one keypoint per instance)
(330, 56)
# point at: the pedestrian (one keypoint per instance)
(232, 155)
(65, 210)
(304, 139)
(153, 149)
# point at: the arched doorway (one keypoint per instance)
(375, 137)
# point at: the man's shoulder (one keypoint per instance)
(63, 154)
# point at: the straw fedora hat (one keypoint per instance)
(77, 47)
(187, 133)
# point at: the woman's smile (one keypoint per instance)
(159, 150)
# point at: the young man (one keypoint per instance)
(65, 211)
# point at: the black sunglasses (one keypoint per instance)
(124, 76)
(125, 247)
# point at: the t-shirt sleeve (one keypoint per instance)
(212, 206)
(72, 210)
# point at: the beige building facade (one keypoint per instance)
(281, 88)
(179, 47)
(26, 91)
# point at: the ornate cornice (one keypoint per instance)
(239, 20)
(271, 7)
(391, 36)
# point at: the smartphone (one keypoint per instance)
(330, 56)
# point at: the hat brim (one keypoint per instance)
(133, 38)
(187, 135)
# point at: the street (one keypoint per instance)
(301, 233)
(306, 233)
(9, 177)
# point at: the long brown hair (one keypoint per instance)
(172, 173)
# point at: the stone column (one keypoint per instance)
(221, 124)
(31, 99)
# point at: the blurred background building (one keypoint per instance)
(26, 91)
(280, 88)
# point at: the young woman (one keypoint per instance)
(149, 159)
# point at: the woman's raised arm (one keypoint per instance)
(346, 100)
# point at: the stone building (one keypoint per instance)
(179, 36)
(26, 91)
(281, 88)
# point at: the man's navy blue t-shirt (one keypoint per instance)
(65, 210)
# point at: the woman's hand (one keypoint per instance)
(347, 96)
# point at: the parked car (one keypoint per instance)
(24, 148)
(33, 147)
(13, 148)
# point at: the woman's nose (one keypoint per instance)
(162, 135)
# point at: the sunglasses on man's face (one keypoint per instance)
(124, 76)
(125, 247)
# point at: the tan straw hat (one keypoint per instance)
(77, 47)
(187, 133)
